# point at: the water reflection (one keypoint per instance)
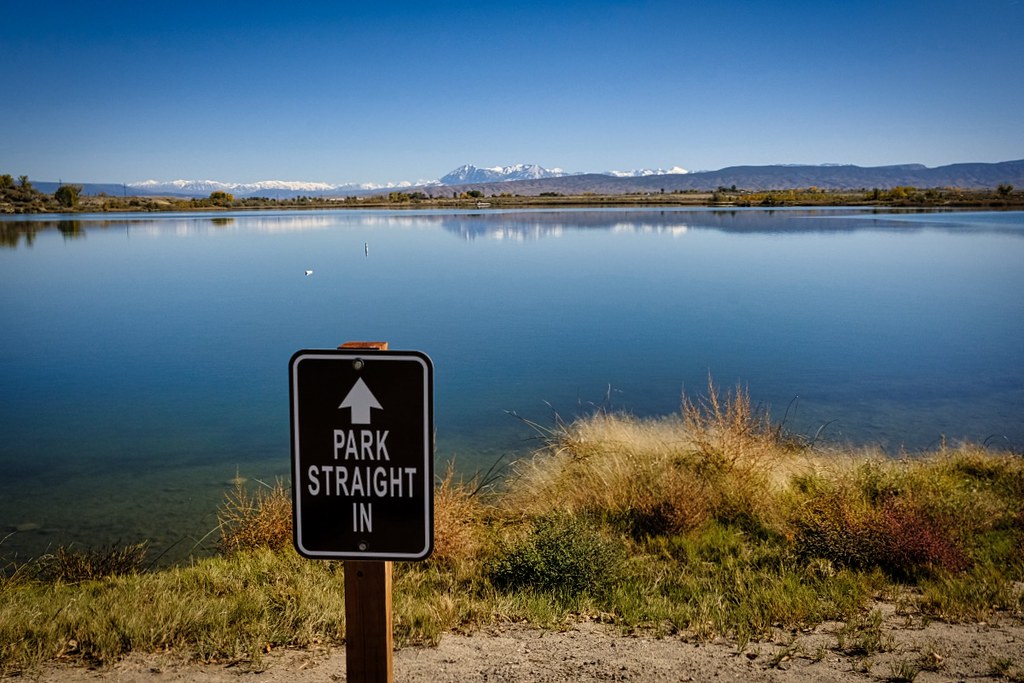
(531, 224)
(287, 223)
(13, 230)
(71, 229)
(528, 225)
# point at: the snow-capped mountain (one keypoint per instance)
(643, 172)
(263, 188)
(496, 174)
(207, 186)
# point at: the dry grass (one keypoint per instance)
(260, 520)
(70, 565)
(459, 520)
(716, 460)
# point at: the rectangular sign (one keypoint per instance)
(362, 454)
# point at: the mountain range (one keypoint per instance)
(468, 174)
(463, 175)
(531, 179)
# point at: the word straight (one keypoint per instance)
(368, 481)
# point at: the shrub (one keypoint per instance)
(221, 198)
(895, 536)
(562, 554)
(67, 195)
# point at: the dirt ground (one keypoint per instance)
(903, 649)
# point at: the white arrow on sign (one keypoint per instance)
(360, 399)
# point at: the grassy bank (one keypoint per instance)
(711, 522)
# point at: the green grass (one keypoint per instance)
(713, 522)
(218, 609)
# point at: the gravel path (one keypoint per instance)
(594, 652)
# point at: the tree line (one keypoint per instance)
(21, 194)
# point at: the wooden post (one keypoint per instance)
(369, 638)
(368, 625)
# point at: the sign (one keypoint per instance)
(362, 454)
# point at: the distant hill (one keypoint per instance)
(837, 177)
(112, 189)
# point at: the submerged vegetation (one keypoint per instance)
(712, 522)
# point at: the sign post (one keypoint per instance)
(362, 479)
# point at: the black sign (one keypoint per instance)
(362, 454)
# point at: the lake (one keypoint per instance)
(145, 356)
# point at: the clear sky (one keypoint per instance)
(376, 92)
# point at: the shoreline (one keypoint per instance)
(896, 198)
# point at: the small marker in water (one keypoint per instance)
(308, 273)
(366, 248)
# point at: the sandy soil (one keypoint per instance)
(595, 652)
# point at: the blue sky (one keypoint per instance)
(376, 92)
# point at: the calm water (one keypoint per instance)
(145, 357)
